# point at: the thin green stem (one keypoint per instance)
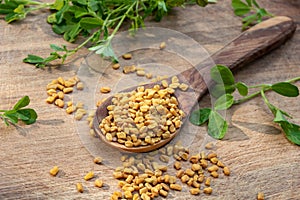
(246, 98)
(293, 79)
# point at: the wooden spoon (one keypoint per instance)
(247, 47)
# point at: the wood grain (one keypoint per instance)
(260, 157)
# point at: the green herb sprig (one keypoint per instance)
(251, 11)
(225, 86)
(96, 20)
(18, 112)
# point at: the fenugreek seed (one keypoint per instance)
(179, 173)
(196, 167)
(214, 174)
(175, 79)
(118, 175)
(98, 160)
(163, 168)
(136, 196)
(162, 45)
(195, 191)
(140, 73)
(60, 103)
(184, 155)
(70, 103)
(148, 75)
(60, 87)
(203, 163)
(177, 157)
(51, 92)
(51, 86)
(145, 196)
(194, 159)
(196, 184)
(128, 194)
(98, 183)
(92, 132)
(127, 56)
(164, 158)
(89, 176)
(118, 194)
(163, 193)
(211, 155)
(176, 187)
(61, 95)
(260, 196)
(214, 160)
(79, 187)
(213, 168)
(220, 164)
(207, 190)
(177, 165)
(70, 109)
(80, 86)
(189, 172)
(54, 171)
(169, 150)
(143, 190)
(207, 181)
(68, 90)
(185, 178)
(226, 171)
(183, 87)
(105, 89)
(164, 83)
(50, 99)
(200, 178)
(61, 80)
(116, 66)
(78, 115)
(69, 83)
(209, 145)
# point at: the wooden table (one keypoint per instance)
(260, 157)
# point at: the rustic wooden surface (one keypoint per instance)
(260, 157)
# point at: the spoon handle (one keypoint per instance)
(248, 46)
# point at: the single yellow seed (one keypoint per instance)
(80, 86)
(226, 171)
(177, 165)
(89, 176)
(196, 167)
(176, 187)
(136, 196)
(60, 103)
(70, 109)
(61, 80)
(140, 73)
(98, 160)
(220, 164)
(105, 89)
(51, 86)
(183, 87)
(54, 171)
(61, 95)
(69, 83)
(207, 181)
(68, 90)
(214, 174)
(211, 155)
(260, 196)
(207, 190)
(51, 92)
(98, 183)
(50, 99)
(60, 87)
(213, 168)
(162, 45)
(163, 193)
(189, 172)
(148, 75)
(127, 56)
(209, 145)
(195, 191)
(79, 187)
(116, 66)
(214, 160)
(70, 103)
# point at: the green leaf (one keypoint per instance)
(224, 102)
(220, 89)
(90, 23)
(285, 89)
(240, 8)
(202, 3)
(222, 74)
(217, 126)
(199, 117)
(56, 47)
(22, 103)
(33, 59)
(105, 50)
(58, 4)
(11, 118)
(292, 131)
(242, 88)
(28, 115)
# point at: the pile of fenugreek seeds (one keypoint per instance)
(144, 116)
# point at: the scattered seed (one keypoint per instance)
(105, 89)
(207, 190)
(195, 191)
(162, 45)
(226, 171)
(260, 196)
(54, 171)
(116, 66)
(89, 176)
(176, 187)
(80, 86)
(98, 183)
(79, 187)
(98, 160)
(127, 56)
